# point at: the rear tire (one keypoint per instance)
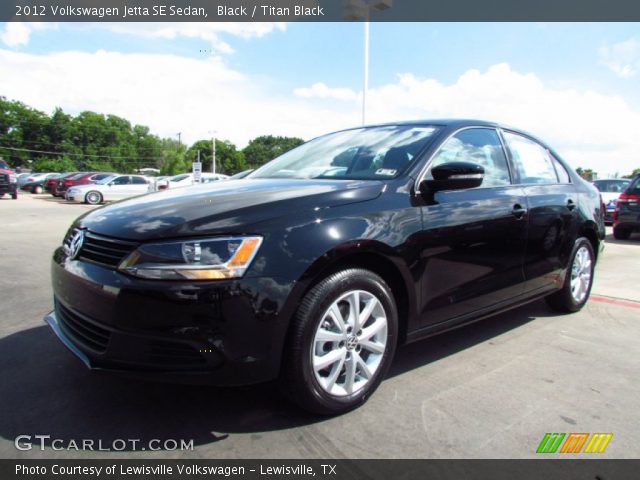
(620, 233)
(93, 197)
(333, 362)
(577, 284)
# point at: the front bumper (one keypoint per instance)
(222, 333)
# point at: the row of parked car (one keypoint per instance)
(621, 198)
(100, 187)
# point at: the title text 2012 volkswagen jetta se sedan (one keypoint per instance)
(318, 264)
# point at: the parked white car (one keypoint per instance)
(186, 179)
(115, 187)
(610, 190)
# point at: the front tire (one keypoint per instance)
(37, 189)
(341, 342)
(93, 197)
(577, 284)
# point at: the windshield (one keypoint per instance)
(106, 180)
(364, 153)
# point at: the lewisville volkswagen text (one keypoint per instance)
(317, 265)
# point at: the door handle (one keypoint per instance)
(518, 211)
(570, 204)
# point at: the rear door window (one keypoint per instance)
(530, 160)
(139, 181)
(563, 175)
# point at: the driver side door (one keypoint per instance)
(118, 188)
(473, 240)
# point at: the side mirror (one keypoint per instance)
(454, 176)
(109, 184)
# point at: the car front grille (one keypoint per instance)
(4, 179)
(82, 331)
(102, 250)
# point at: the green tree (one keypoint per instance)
(635, 172)
(60, 164)
(173, 158)
(262, 149)
(586, 173)
(229, 160)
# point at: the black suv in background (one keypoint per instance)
(318, 264)
(626, 217)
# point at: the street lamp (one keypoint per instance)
(213, 150)
(358, 10)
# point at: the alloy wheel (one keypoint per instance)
(581, 274)
(349, 343)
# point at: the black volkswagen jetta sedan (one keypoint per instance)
(319, 264)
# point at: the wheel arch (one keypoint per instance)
(589, 231)
(369, 255)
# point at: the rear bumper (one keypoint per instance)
(628, 219)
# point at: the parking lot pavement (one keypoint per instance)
(491, 389)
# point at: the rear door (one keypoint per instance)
(473, 241)
(139, 185)
(552, 209)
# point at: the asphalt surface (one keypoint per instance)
(488, 390)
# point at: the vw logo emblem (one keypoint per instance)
(352, 341)
(76, 244)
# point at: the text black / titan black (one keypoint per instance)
(315, 266)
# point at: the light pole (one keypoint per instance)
(358, 10)
(213, 150)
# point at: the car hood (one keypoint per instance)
(230, 207)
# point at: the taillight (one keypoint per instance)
(162, 187)
(626, 198)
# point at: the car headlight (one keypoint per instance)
(198, 259)
(13, 178)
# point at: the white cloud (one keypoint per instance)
(622, 58)
(16, 34)
(168, 93)
(208, 31)
(174, 94)
(590, 129)
(320, 90)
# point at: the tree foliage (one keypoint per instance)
(92, 141)
(267, 147)
(229, 160)
(635, 172)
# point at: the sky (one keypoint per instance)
(574, 85)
